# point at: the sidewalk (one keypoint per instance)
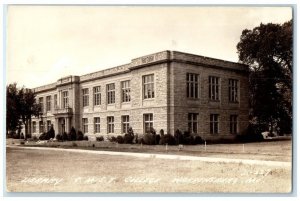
(166, 156)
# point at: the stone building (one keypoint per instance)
(168, 90)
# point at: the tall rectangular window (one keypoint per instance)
(41, 103)
(192, 85)
(125, 123)
(110, 125)
(148, 86)
(85, 97)
(193, 122)
(41, 124)
(33, 127)
(97, 124)
(65, 99)
(48, 125)
(85, 125)
(148, 122)
(214, 123)
(110, 88)
(97, 95)
(125, 91)
(233, 90)
(214, 88)
(55, 101)
(233, 124)
(48, 103)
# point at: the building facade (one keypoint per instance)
(167, 90)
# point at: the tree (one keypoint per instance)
(267, 49)
(21, 106)
(12, 108)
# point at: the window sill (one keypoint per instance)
(148, 99)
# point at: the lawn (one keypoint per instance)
(61, 171)
(269, 150)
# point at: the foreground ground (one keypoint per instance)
(62, 171)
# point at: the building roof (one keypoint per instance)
(144, 61)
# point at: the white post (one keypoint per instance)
(167, 147)
(205, 145)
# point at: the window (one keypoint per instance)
(233, 90)
(48, 103)
(34, 127)
(85, 125)
(41, 123)
(214, 88)
(65, 99)
(148, 122)
(193, 122)
(41, 103)
(214, 123)
(97, 95)
(233, 124)
(110, 125)
(55, 101)
(192, 85)
(148, 86)
(97, 124)
(110, 93)
(48, 125)
(125, 123)
(125, 91)
(85, 97)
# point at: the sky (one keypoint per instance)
(45, 43)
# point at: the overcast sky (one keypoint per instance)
(45, 43)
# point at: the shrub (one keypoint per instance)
(59, 137)
(51, 132)
(130, 131)
(157, 139)
(251, 134)
(161, 132)
(148, 139)
(178, 137)
(35, 138)
(79, 136)
(128, 138)
(74, 144)
(22, 136)
(86, 138)
(198, 140)
(65, 136)
(188, 140)
(120, 139)
(44, 136)
(72, 134)
(112, 139)
(101, 138)
(22, 142)
(167, 139)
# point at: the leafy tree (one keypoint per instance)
(21, 106)
(12, 108)
(267, 49)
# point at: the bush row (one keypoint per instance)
(151, 138)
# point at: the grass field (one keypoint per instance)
(60, 171)
(273, 150)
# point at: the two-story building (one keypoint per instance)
(167, 90)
